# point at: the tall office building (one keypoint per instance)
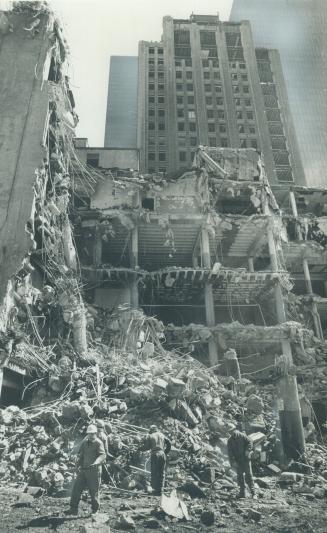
(205, 83)
(297, 28)
(121, 119)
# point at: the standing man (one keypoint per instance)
(239, 452)
(159, 446)
(90, 458)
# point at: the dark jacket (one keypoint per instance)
(156, 442)
(238, 446)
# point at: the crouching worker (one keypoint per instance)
(89, 466)
(159, 446)
(239, 452)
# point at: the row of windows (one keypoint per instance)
(161, 157)
(152, 61)
(243, 102)
(236, 77)
(152, 112)
(161, 74)
(240, 115)
(188, 74)
(160, 99)
(245, 88)
(180, 87)
(152, 126)
(152, 86)
(237, 64)
(158, 50)
(187, 62)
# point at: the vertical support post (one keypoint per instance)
(289, 405)
(251, 264)
(134, 264)
(1, 381)
(208, 298)
(315, 312)
(98, 249)
(295, 214)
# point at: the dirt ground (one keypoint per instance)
(280, 511)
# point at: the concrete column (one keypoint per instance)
(98, 249)
(295, 214)
(208, 298)
(134, 259)
(315, 313)
(272, 249)
(289, 405)
(250, 263)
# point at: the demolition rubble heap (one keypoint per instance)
(140, 299)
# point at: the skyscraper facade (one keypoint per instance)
(121, 119)
(297, 28)
(205, 83)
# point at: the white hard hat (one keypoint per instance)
(91, 429)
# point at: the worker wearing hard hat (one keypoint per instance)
(89, 466)
(159, 446)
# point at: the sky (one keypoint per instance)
(97, 29)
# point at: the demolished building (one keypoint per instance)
(130, 290)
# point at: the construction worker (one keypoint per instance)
(239, 448)
(159, 446)
(102, 435)
(90, 458)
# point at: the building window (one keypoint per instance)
(151, 112)
(218, 88)
(243, 143)
(247, 102)
(151, 50)
(178, 63)
(161, 99)
(223, 143)
(221, 114)
(251, 129)
(161, 112)
(161, 87)
(151, 74)
(192, 126)
(239, 115)
(206, 75)
(190, 99)
(151, 125)
(191, 114)
(244, 77)
(212, 141)
(222, 128)
(189, 86)
(219, 101)
(180, 99)
(151, 86)
(151, 156)
(207, 88)
(246, 89)
(179, 74)
(181, 126)
(216, 75)
(254, 143)
(193, 141)
(242, 66)
(215, 63)
(249, 114)
(180, 112)
(237, 102)
(188, 62)
(162, 156)
(209, 100)
(92, 160)
(234, 77)
(151, 61)
(211, 126)
(205, 62)
(189, 75)
(179, 87)
(160, 61)
(210, 113)
(236, 89)
(161, 74)
(241, 129)
(161, 126)
(151, 99)
(182, 156)
(160, 51)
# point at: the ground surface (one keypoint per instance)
(280, 511)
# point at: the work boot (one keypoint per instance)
(70, 511)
